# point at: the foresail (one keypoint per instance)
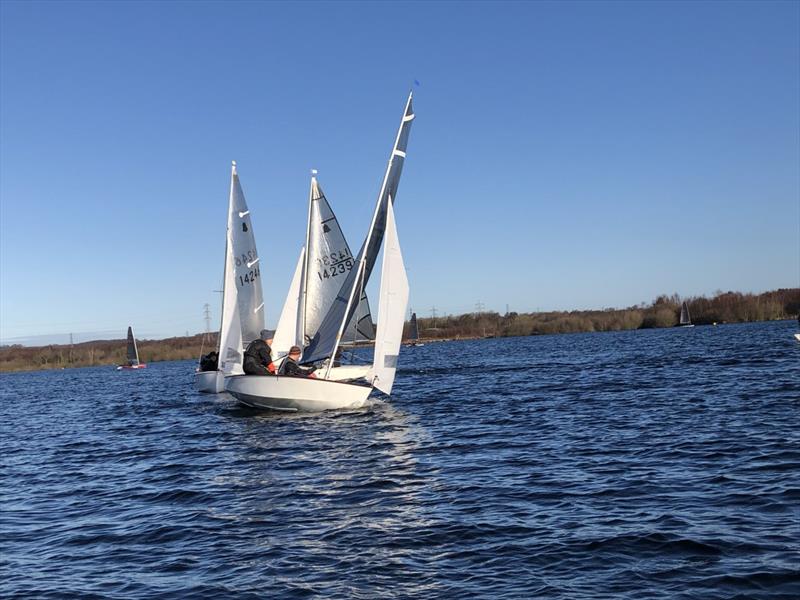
(324, 342)
(391, 310)
(246, 266)
(287, 334)
(360, 328)
(329, 262)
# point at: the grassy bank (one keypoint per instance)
(664, 311)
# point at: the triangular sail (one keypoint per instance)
(327, 338)
(132, 351)
(685, 317)
(231, 355)
(246, 267)
(391, 310)
(413, 333)
(288, 332)
(329, 262)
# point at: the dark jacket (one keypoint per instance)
(292, 369)
(258, 352)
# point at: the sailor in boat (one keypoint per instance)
(208, 362)
(258, 356)
(292, 369)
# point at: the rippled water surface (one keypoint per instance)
(644, 464)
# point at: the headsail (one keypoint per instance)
(686, 319)
(288, 333)
(247, 270)
(332, 328)
(391, 310)
(328, 264)
(133, 351)
(231, 354)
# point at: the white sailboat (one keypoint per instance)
(242, 296)
(132, 354)
(686, 319)
(318, 278)
(323, 392)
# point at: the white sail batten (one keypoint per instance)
(288, 333)
(246, 270)
(327, 339)
(391, 310)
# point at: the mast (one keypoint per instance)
(304, 280)
(225, 268)
(363, 262)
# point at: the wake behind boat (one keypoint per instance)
(132, 355)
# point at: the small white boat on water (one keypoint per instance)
(132, 355)
(324, 392)
(242, 296)
(686, 319)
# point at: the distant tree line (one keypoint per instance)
(102, 352)
(664, 311)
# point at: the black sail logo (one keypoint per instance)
(244, 226)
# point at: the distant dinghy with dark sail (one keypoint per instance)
(132, 354)
(413, 332)
(322, 392)
(686, 319)
(242, 297)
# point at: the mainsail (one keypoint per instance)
(685, 318)
(413, 333)
(133, 351)
(246, 268)
(328, 263)
(333, 326)
(242, 299)
(391, 310)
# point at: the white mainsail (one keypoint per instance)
(327, 266)
(391, 310)
(288, 333)
(246, 268)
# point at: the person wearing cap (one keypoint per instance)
(290, 367)
(258, 356)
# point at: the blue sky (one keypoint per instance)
(564, 156)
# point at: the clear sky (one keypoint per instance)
(564, 155)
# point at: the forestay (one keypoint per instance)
(391, 310)
(330, 332)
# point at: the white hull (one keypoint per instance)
(797, 336)
(296, 393)
(689, 325)
(209, 382)
(348, 372)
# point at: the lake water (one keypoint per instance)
(642, 464)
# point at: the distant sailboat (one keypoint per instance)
(242, 296)
(413, 333)
(686, 319)
(323, 392)
(132, 354)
